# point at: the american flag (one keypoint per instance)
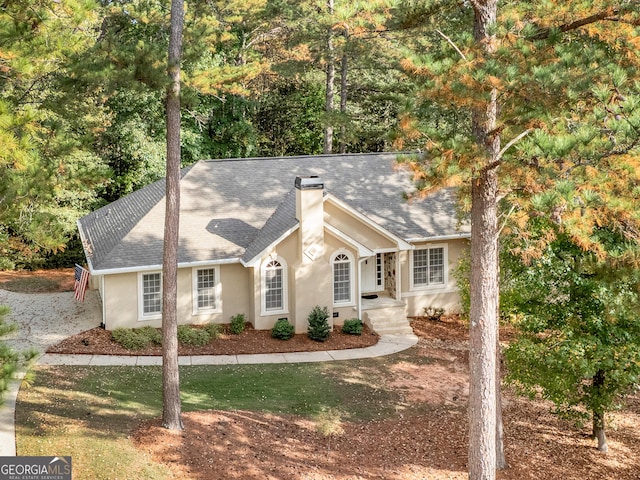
(80, 285)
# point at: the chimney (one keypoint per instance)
(310, 214)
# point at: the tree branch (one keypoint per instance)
(452, 44)
(512, 142)
(498, 160)
(609, 14)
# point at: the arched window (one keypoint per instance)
(274, 286)
(342, 278)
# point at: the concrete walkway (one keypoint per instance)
(38, 317)
(386, 345)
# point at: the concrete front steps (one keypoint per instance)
(387, 317)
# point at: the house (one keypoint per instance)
(273, 237)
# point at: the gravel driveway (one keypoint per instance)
(44, 319)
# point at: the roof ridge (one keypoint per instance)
(301, 157)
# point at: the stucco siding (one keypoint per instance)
(287, 250)
(236, 291)
(355, 228)
(120, 301)
(121, 294)
(442, 296)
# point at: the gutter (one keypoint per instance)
(149, 268)
(456, 236)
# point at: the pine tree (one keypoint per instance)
(531, 77)
(48, 174)
(171, 409)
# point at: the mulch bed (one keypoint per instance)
(98, 341)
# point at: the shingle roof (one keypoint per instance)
(233, 209)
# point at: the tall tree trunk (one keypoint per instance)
(482, 335)
(343, 95)
(501, 460)
(484, 271)
(598, 416)
(171, 410)
(329, 94)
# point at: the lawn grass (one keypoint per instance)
(89, 412)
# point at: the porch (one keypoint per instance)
(385, 315)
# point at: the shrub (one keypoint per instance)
(190, 335)
(129, 338)
(237, 324)
(353, 326)
(282, 330)
(433, 313)
(319, 328)
(153, 335)
(213, 329)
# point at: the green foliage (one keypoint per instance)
(48, 174)
(319, 328)
(282, 329)
(462, 273)
(213, 329)
(193, 336)
(137, 338)
(577, 317)
(154, 335)
(237, 324)
(289, 118)
(352, 326)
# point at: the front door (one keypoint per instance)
(371, 274)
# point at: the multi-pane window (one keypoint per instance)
(428, 266)
(341, 278)
(436, 265)
(151, 294)
(274, 286)
(206, 289)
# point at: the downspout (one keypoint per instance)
(359, 292)
(103, 323)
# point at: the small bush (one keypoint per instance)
(282, 330)
(213, 329)
(192, 336)
(433, 313)
(319, 328)
(353, 326)
(329, 422)
(129, 338)
(153, 335)
(237, 324)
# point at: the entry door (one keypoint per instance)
(369, 275)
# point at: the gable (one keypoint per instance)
(358, 228)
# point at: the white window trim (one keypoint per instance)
(141, 315)
(445, 260)
(285, 289)
(352, 278)
(380, 284)
(217, 291)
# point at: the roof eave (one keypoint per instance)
(255, 260)
(455, 236)
(149, 268)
